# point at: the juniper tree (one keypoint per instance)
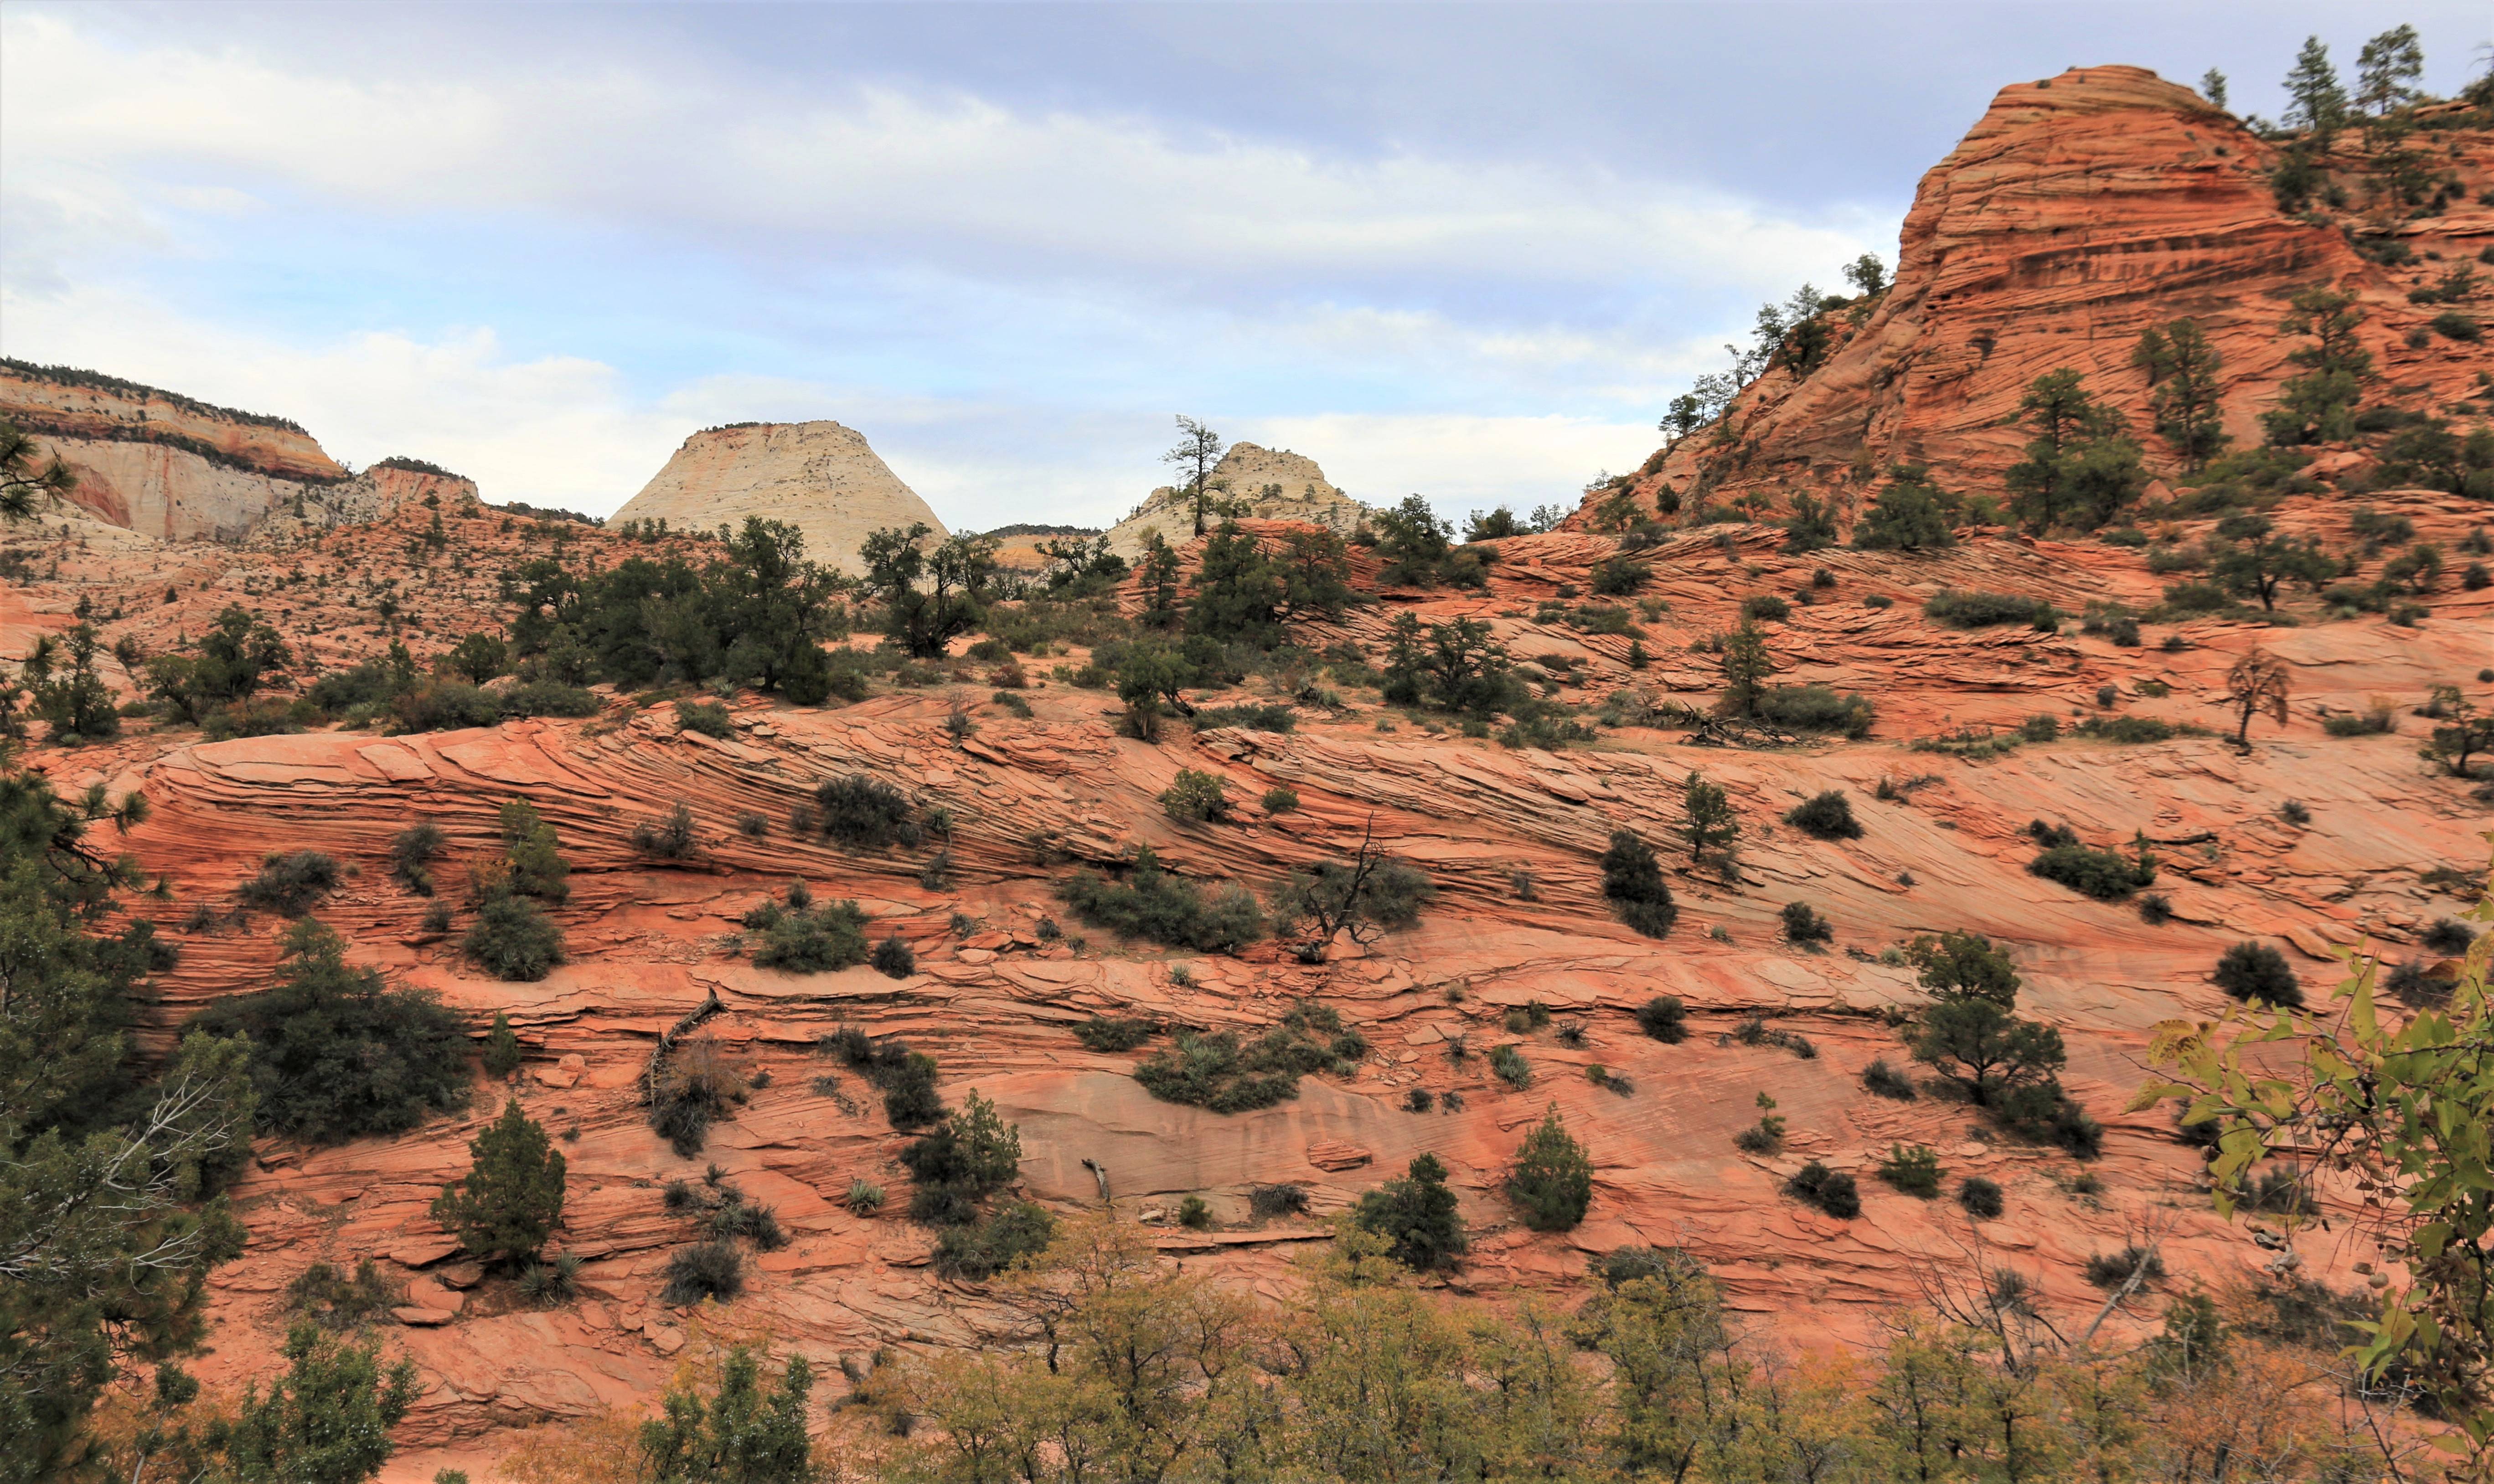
(1711, 828)
(511, 1196)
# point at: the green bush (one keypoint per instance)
(411, 852)
(335, 1053)
(1552, 1182)
(511, 1198)
(1664, 1019)
(1633, 885)
(290, 882)
(1197, 797)
(2256, 972)
(863, 813)
(1914, 1170)
(1766, 606)
(1226, 1075)
(1886, 1081)
(1830, 1191)
(513, 939)
(1115, 1033)
(548, 698)
(1816, 709)
(805, 941)
(1164, 908)
(332, 1301)
(1980, 1197)
(502, 1047)
(1803, 925)
(2110, 1270)
(1618, 576)
(1982, 609)
(444, 706)
(894, 959)
(2098, 873)
(2130, 730)
(707, 718)
(2451, 325)
(1281, 798)
(668, 837)
(1510, 1067)
(1826, 816)
(705, 1270)
(1417, 1215)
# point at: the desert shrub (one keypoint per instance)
(1981, 610)
(2130, 730)
(1552, 1182)
(1509, 1064)
(1192, 1214)
(1164, 908)
(752, 826)
(2101, 874)
(1266, 1201)
(1980, 1197)
(2258, 971)
(2448, 937)
(335, 1053)
(2451, 325)
(556, 1281)
(707, 718)
(705, 1270)
(695, 1086)
(864, 1198)
(411, 852)
(809, 941)
(2364, 723)
(1886, 1081)
(1914, 1170)
(512, 1196)
(977, 1252)
(1766, 1136)
(863, 813)
(1114, 1033)
(2110, 1270)
(1281, 798)
(446, 705)
(894, 959)
(334, 1301)
(290, 882)
(1523, 1019)
(1830, 1191)
(1766, 606)
(1826, 816)
(1664, 1019)
(513, 939)
(1222, 1073)
(1419, 1099)
(1803, 925)
(2155, 908)
(548, 698)
(502, 1047)
(1195, 797)
(669, 838)
(1255, 719)
(1816, 709)
(1632, 883)
(1417, 1215)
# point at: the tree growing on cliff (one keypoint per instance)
(2212, 86)
(928, 597)
(1711, 827)
(1552, 1182)
(2082, 467)
(1746, 667)
(2258, 682)
(2319, 406)
(511, 1198)
(1867, 274)
(2388, 70)
(1368, 896)
(1158, 577)
(2181, 367)
(1197, 453)
(2255, 559)
(1911, 514)
(1417, 1217)
(327, 1421)
(72, 697)
(2315, 101)
(1633, 885)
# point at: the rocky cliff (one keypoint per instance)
(163, 463)
(1262, 483)
(818, 477)
(2079, 211)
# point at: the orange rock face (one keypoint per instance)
(2079, 211)
(1509, 838)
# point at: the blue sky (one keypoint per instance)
(1468, 251)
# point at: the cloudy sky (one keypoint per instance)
(1465, 250)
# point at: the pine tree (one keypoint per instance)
(1712, 827)
(327, 1421)
(2212, 86)
(2319, 405)
(2181, 367)
(513, 1195)
(2315, 100)
(502, 1047)
(742, 1436)
(2388, 70)
(1746, 668)
(1553, 1180)
(2079, 468)
(1159, 582)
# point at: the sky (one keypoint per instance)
(1468, 252)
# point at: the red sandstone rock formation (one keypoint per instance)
(2079, 210)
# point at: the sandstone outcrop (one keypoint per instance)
(2079, 211)
(818, 477)
(1262, 483)
(162, 464)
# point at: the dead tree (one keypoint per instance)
(2257, 684)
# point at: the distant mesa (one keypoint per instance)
(164, 465)
(1271, 484)
(818, 477)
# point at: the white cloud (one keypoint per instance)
(955, 178)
